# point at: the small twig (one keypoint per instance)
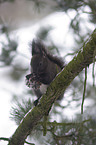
(93, 75)
(29, 143)
(64, 124)
(89, 13)
(93, 70)
(4, 139)
(84, 90)
(44, 125)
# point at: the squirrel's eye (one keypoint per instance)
(40, 64)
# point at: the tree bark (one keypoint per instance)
(83, 59)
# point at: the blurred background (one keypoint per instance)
(64, 26)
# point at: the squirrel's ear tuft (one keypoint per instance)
(36, 47)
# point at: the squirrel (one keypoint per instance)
(44, 68)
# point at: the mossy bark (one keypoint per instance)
(83, 59)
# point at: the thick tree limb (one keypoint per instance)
(56, 88)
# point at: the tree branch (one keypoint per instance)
(83, 59)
